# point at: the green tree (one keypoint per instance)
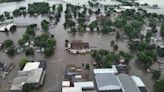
(8, 43)
(87, 66)
(159, 86)
(156, 75)
(22, 63)
(29, 51)
(45, 25)
(115, 47)
(48, 51)
(21, 42)
(117, 35)
(11, 51)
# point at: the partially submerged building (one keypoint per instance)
(107, 82)
(76, 47)
(110, 80)
(31, 74)
(6, 27)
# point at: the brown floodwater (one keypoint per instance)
(56, 63)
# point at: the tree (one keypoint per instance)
(21, 42)
(112, 42)
(156, 75)
(22, 63)
(30, 30)
(159, 86)
(115, 47)
(87, 66)
(29, 51)
(8, 43)
(11, 51)
(145, 58)
(44, 25)
(48, 51)
(26, 37)
(117, 35)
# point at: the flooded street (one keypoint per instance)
(56, 63)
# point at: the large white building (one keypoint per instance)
(31, 74)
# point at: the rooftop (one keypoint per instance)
(107, 81)
(84, 85)
(71, 89)
(138, 81)
(127, 83)
(79, 45)
(32, 76)
(106, 70)
(31, 66)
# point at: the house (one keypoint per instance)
(34, 77)
(76, 47)
(6, 27)
(32, 73)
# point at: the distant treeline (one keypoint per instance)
(1, 1)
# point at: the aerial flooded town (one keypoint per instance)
(81, 46)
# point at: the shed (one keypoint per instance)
(71, 89)
(84, 85)
(65, 83)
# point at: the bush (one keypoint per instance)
(159, 86)
(48, 51)
(29, 51)
(8, 43)
(22, 63)
(156, 75)
(115, 47)
(11, 51)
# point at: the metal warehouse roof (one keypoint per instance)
(107, 81)
(138, 81)
(127, 83)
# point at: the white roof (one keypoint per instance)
(34, 76)
(9, 26)
(84, 85)
(106, 70)
(138, 81)
(65, 83)
(78, 76)
(110, 87)
(2, 28)
(126, 7)
(31, 66)
(71, 89)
